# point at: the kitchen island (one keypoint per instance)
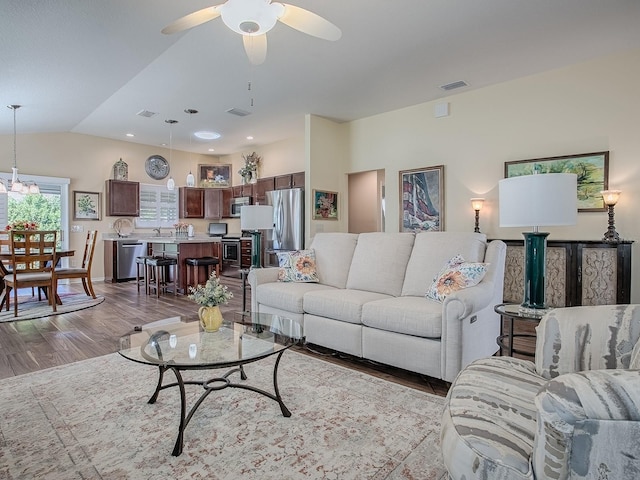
(179, 248)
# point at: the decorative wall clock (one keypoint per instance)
(157, 167)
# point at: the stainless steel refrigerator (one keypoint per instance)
(288, 223)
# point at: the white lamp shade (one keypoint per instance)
(538, 200)
(256, 217)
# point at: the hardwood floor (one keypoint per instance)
(31, 345)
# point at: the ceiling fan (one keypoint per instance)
(254, 18)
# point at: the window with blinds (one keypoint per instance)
(158, 206)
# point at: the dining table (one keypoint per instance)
(5, 259)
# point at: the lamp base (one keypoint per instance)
(256, 249)
(535, 249)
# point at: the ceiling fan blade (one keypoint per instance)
(309, 23)
(192, 20)
(256, 48)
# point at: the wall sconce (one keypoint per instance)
(476, 204)
(610, 199)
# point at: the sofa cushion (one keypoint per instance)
(380, 261)
(415, 316)
(430, 252)
(334, 252)
(286, 296)
(297, 266)
(489, 423)
(345, 305)
(455, 275)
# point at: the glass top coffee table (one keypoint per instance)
(180, 344)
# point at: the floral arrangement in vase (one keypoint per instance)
(181, 229)
(22, 225)
(249, 172)
(210, 296)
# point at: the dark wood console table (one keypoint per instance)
(579, 272)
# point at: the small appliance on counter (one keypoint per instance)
(217, 229)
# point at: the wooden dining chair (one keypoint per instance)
(83, 272)
(33, 255)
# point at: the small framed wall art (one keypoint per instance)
(592, 170)
(214, 176)
(422, 199)
(86, 205)
(325, 205)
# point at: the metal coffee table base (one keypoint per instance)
(211, 385)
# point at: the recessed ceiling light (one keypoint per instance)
(205, 135)
(212, 150)
(249, 137)
(130, 135)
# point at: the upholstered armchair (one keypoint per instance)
(573, 414)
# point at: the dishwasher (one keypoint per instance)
(127, 251)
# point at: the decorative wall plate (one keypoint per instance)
(157, 167)
(123, 227)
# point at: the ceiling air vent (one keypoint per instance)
(146, 113)
(239, 112)
(454, 85)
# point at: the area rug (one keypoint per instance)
(91, 420)
(30, 308)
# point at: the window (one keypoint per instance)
(49, 209)
(158, 206)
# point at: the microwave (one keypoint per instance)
(237, 204)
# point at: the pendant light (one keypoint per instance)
(191, 180)
(171, 184)
(16, 185)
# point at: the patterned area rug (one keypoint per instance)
(91, 420)
(30, 308)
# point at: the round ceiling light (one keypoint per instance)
(250, 17)
(205, 135)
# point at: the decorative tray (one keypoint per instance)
(123, 227)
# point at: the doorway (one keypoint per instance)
(366, 201)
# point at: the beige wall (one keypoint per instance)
(579, 109)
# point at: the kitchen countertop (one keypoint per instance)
(166, 239)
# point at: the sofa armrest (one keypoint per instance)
(587, 422)
(258, 276)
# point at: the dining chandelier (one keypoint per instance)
(16, 185)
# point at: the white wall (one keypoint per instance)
(583, 108)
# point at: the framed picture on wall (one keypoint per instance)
(214, 176)
(422, 199)
(86, 205)
(325, 205)
(592, 170)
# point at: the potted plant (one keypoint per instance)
(210, 295)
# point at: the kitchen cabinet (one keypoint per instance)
(243, 191)
(297, 180)
(227, 196)
(290, 180)
(213, 205)
(262, 186)
(191, 202)
(122, 198)
(579, 272)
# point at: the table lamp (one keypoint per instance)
(537, 200)
(610, 198)
(476, 204)
(254, 218)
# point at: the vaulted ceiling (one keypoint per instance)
(89, 66)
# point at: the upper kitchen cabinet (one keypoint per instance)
(191, 202)
(213, 203)
(243, 190)
(123, 198)
(227, 196)
(290, 180)
(263, 186)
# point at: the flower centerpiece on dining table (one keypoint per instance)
(20, 225)
(210, 296)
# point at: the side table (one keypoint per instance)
(513, 312)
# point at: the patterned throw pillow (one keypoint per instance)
(456, 275)
(297, 266)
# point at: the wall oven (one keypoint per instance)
(237, 203)
(231, 256)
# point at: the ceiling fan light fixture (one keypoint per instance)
(250, 17)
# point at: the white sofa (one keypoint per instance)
(370, 299)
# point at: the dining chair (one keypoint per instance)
(83, 272)
(33, 254)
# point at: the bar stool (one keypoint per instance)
(157, 270)
(193, 268)
(142, 262)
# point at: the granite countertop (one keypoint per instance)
(163, 239)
